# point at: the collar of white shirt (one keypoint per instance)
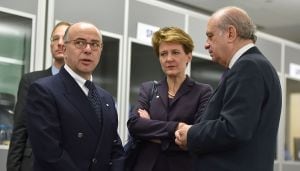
(238, 54)
(79, 80)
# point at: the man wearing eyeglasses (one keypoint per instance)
(72, 123)
(20, 152)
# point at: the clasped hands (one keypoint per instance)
(180, 133)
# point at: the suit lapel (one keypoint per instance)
(221, 83)
(184, 88)
(79, 100)
(251, 50)
(162, 88)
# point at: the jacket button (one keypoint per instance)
(94, 160)
(80, 135)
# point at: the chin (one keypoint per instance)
(171, 74)
(59, 57)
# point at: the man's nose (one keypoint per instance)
(207, 45)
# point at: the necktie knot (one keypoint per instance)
(89, 84)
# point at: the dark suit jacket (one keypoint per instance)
(19, 156)
(187, 106)
(64, 130)
(239, 128)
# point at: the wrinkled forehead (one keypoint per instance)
(212, 24)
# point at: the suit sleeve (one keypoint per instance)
(44, 130)
(205, 96)
(117, 156)
(239, 114)
(148, 128)
(164, 129)
(19, 134)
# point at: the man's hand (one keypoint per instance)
(181, 135)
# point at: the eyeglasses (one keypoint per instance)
(81, 44)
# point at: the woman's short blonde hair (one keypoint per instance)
(172, 35)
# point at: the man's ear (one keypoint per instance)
(232, 33)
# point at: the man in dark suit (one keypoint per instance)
(68, 131)
(238, 130)
(20, 153)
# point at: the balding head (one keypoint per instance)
(239, 19)
(73, 29)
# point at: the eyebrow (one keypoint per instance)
(209, 33)
(94, 40)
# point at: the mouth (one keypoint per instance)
(59, 51)
(210, 53)
(86, 61)
(170, 67)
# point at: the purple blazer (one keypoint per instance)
(187, 106)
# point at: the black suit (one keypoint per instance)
(64, 130)
(239, 127)
(20, 153)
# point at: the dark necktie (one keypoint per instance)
(223, 76)
(94, 98)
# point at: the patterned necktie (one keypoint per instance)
(94, 98)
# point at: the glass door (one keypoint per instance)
(15, 53)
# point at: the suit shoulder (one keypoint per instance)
(36, 75)
(148, 83)
(201, 85)
(151, 84)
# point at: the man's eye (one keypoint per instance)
(95, 44)
(79, 42)
(209, 36)
(54, 39)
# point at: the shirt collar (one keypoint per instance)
(54, 70)
(239, 53)
(80, 81)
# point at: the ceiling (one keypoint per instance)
(276, 17)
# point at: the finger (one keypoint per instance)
(177, 134)
(178, 142)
